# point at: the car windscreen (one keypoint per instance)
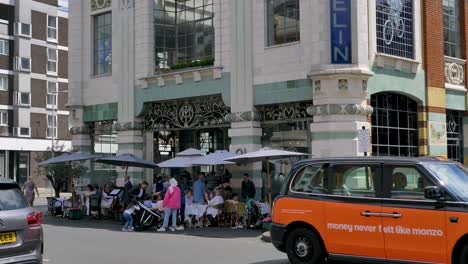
(11, 198)
(453, 175)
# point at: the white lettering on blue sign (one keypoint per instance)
(340, 14)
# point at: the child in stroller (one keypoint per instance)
(254, 215)
(145, 218)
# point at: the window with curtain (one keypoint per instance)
(282, 21)
(184, 31)
(451, 28)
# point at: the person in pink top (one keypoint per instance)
(171, 205)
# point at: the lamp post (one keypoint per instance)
(55, 102)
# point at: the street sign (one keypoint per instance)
(364, 140)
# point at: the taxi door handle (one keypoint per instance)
(370, 214)
(392, 215)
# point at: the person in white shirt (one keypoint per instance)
(214, 207)
(106, 200)
(85, 197)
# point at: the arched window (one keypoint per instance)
(394, 125)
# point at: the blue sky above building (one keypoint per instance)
(63, 5)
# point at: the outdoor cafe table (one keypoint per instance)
(196, 209)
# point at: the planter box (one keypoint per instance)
(75, 214)
(266, 226)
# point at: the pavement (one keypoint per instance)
(97, 241)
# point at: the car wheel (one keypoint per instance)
(463, 255)
(304, 247)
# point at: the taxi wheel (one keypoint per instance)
(303, 246)
(464, 255)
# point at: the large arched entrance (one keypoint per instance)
(394, 125)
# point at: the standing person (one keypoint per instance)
(28, 189)
(126, 190)
(171, 204)
(248, 188)
(159, 185)
(129, 209)
(138, 192)
(199, 188)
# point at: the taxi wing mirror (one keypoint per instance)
(434, 193)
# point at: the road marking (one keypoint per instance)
(46, 260)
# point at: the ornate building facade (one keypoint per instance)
(166, 75)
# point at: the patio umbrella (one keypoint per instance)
(177, 162)
(68, 157)
(183, 159)
(127, 160)
(216, 158)
(190, 152)
(265, 154)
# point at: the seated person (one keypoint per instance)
(85, 197)
(189, 211)
(214, 207)
(147, 201)
(399, 181)
(158, 205)
(106, 201)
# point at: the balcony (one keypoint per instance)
(455, 73)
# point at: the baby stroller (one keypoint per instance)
(254, 215)
(145, 218)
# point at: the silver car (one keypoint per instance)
(21, 239)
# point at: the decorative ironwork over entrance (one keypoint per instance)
(285, 112)
(187, 114)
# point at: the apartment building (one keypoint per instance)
(33, 84)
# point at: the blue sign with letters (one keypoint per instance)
(340, 28)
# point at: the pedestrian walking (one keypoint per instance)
(171, 203)
(28, 189)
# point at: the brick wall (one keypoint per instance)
(38, 59)
(38, 125)
(38, 93)
(433, 43)
(39, 26)
(62, 31)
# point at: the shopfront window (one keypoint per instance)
(283, 21)
(451, 28)
(394, 125)
(395, 29)
(455, 135)
(184, 31)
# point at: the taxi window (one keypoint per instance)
(353, 180)
(310, 179)
(407, 183)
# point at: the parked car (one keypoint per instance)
(373, 210)
(21, 239)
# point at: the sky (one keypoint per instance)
(63, 5)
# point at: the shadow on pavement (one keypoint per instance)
(210, 232)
